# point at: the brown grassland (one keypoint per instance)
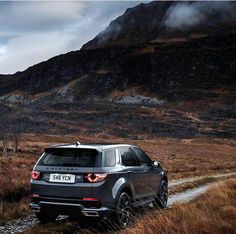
(213, 212)
(180, 157)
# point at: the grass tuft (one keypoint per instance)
(213, 212)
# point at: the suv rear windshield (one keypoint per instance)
(70, 157)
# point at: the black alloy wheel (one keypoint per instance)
(123, 210)
(163, 195)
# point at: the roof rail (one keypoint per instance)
(58, 145)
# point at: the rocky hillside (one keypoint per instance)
(166, 20)
(148, 56)
(140, 48)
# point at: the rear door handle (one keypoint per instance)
(129, 172)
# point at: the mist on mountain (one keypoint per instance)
(188, 14)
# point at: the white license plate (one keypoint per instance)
(62, 178)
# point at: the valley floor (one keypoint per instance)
(212, 212)
(30, 223)
(182, 158)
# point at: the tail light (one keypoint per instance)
(35, 175)
(93, 178)
(89, 199)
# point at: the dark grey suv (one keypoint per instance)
(96, 181)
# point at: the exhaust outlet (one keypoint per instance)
(36, 209)
(90, 213)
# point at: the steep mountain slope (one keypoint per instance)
(146, 22)
(136, 26)
(143, 58)
(138, 47)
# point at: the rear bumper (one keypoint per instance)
(71, 209)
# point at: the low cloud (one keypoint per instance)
(187, 14)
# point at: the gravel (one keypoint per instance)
(19, 225)
(140, 100)
(187, 195)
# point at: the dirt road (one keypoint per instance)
(23, 224)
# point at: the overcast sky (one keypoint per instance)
(31, 32)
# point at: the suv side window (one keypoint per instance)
(128, 157)
(143, 159)
(110, 158)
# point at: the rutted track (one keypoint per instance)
(23, 224)
(188, 195)
(173, 183)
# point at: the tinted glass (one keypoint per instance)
(70, 157)
(110, 158)
(128, 157)
(143, 159)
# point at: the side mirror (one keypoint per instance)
(156, 163)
